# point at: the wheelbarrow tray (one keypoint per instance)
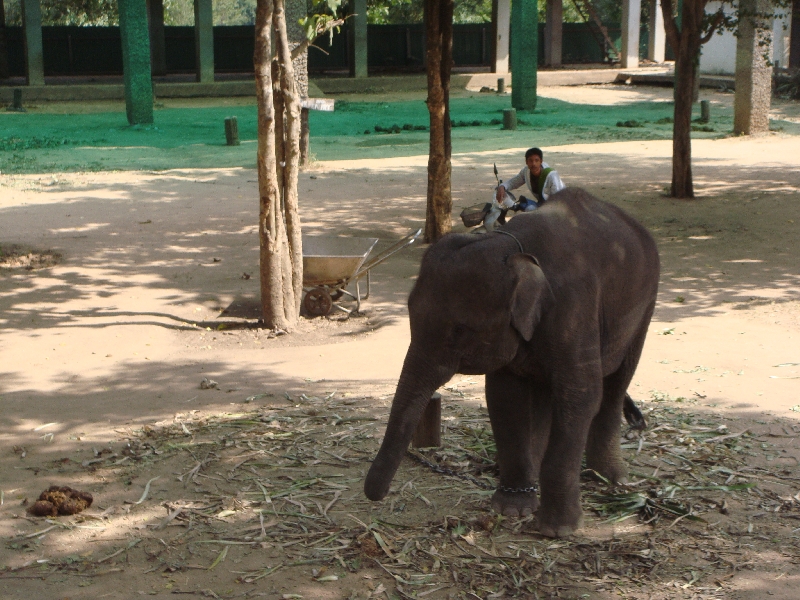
(333, 261)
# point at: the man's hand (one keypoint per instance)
(501, 192)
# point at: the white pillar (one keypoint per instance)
(501, 10)
(656, 42)
(631, 19)
(552, 33)
(780, 38)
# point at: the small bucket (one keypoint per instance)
(473, 215)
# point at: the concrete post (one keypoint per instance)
(657, 40)
(552, 33)
(524, 53)
(158, 54)
(631, 22)
(32, 33)
(753, 71)
(357, 30)
(501, 29)
(136, 61)
(204, 40)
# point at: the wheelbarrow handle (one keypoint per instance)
(393, 249)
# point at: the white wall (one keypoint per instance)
(719, 53)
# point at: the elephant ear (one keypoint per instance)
(531, 296)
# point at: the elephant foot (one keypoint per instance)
(515, 504)
(559, 523)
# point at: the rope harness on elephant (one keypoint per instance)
(516, 239)
(481, 484)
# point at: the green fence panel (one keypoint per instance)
(98, 50)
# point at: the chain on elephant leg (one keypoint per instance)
(515, 502)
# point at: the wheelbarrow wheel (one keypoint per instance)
(318, 302)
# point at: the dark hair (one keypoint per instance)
(530, 152)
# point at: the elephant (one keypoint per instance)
(553, 308)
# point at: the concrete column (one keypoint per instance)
(524, 53)
(631, 22)
(794, 39)
(657, 40)
(136, 61)
(552, 33)
(32, 33)
(204, 40)
(753, 72)
(158, 54)
(357, 30)
(501, 29)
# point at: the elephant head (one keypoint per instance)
(475, 301)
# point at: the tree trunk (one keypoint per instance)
(291, 156)
(277, 300)
(439, 58)
(682, 186)
(685, 42)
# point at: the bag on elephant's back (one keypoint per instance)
(474, 215)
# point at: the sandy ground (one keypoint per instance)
(158, 282)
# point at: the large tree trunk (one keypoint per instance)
(291, 155)
(439, 58)
(279, 298)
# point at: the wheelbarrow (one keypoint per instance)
(331, 264)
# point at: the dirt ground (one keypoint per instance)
(252, 487)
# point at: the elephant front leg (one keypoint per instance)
(560, 511)
(520, 423)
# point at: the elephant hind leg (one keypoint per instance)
(603, 452)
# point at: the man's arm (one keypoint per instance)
(517, 181)
(552, 184)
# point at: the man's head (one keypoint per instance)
(533, 158)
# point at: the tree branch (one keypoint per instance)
(715, 24)
(303, 46)
(670, 27)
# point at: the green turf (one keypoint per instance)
(194, 137)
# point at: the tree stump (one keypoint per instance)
(429, 430)
(705, 111)
(232, 131)
(509, 118)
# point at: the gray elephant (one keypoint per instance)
(554, 308)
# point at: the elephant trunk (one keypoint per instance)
(419, 379)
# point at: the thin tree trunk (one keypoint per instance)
(280, 122)
(272, 235)
(291, 154)
(682, 185)
(439, 29)
(685, 42)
